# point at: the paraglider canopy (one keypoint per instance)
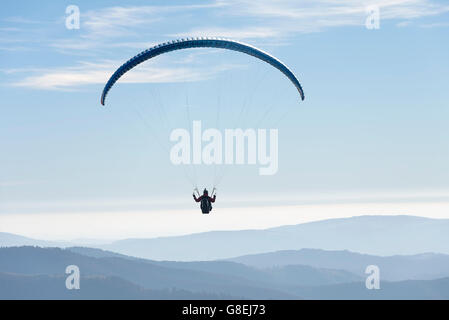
(200, 43)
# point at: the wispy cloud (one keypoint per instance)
(118, 21)
(68, 46)
(403, 24)
(290, 17)
(243, 19)
(98, 73)
(15, 48)
(234, 33)
(320, 9)
(435, 25)
(128, 27)
(140, 27)
(21, 20)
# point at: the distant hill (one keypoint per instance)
(349, 265)
(39, 273)
(42, 287)
(9, 240)
(53, 261)
(404, 290)
(291, 275)
(377, 235)
(374, 235)
(281, 277)
(393, 268)
(99, 253)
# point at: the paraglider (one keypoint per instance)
(203, 42)
(206, 200)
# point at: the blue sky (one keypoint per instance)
(373, 124)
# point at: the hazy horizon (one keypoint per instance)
(100, 227)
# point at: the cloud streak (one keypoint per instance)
(289, 17)
(244, 19)
(98, 73)
(139, 27)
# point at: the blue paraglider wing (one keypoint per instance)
(200, 43)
